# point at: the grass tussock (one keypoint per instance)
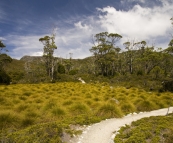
(109, 110)
(8, 119)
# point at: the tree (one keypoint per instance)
(130, 54)
(104, 52)
(48, 51)
(4, 59)
(2, 46)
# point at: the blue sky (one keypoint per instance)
(23, 22)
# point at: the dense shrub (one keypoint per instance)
(61, 69)
(168, 85)
(4, 77)
(150, 129)
(73, 72)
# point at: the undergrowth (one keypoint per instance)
(157, 129)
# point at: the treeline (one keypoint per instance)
(108, 61)
(138, 58)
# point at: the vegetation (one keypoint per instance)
(49, 47)
(49, 109)
(152, 129)
(4, 59)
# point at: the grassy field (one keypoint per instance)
(42, 112)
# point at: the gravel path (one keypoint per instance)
(104, 132)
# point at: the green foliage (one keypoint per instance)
(43, 133)
(4, 77)
(61, 69)
(1, 44)
(73, 72)
(49, 47)
(152, 129)
(4, 59)
(105, 52)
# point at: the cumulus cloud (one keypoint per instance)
(137, 22)
(142, 23)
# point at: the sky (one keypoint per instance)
(23, 22)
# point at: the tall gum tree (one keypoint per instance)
(48, 51)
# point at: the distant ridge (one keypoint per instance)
(31, 58)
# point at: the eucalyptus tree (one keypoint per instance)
(134, 55)
(104, 52)
(48, 51)
(129, 55)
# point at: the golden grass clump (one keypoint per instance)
(58, 111)
(79, 108)
(109, 111)
(8, 119)
(146, 105)
(127, 107)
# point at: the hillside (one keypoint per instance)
(31, 69)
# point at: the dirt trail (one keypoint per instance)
(104, 132)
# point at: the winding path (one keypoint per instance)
(104, 132)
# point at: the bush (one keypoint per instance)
(4, 77)
(168, 85)
(61, 69)
(42, 133)
(73, 72)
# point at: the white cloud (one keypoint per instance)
(139, 22)
(24, 45)
(2, 38)
(80, 26)
(75, 40)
